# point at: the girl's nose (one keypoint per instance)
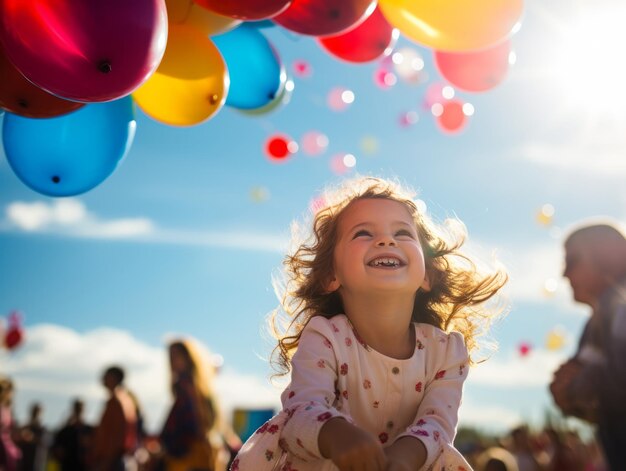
(384, 240)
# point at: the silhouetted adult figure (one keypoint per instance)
(72, 441)
(592, 384)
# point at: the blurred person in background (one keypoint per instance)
(9, 452)
(192, 437)
(496, 459)
(33, 441)
(117, 436)
(591, 385)
(71, 442)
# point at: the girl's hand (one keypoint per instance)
(351, 448)
(405, 454)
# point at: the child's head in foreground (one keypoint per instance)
(449, 295)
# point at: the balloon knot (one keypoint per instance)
(56, 179)
(104, 67)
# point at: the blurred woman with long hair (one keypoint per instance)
(191, 438)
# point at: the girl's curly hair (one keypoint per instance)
(459, 287)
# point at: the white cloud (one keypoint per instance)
(601, 153)
(56, 364)
(488, 416)
(515, 371)
(70, 218)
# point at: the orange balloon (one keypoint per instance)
(454, 25)
(191, 82)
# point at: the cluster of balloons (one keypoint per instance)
(72, 71)
(14, 334)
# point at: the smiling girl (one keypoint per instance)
(382, 310)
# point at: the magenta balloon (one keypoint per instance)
(85, 50)
(324, 17)
(370, 40)
(245, 9)
(475, 71)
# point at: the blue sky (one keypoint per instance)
(173, 243)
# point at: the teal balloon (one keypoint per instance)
(70, 154)
(256, 74)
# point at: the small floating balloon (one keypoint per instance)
(342, 163)
(339, 98)
(550, 286)
(256, 74)
(555, 340)
(249, 10)
(279, 148)
(259, 194)
(408, 119)
(191, 83)
(84, 51)
(454, 25)
(433, 95)
(324, 17)
(14, 335)
(21, 97)
(302, 68)
(475, 71)
(545, 215)
(524, 349)
(70, 154)
(369, 145)
(408, 64)
(384, 79)
(450, 116)
(314, 143)
(370, 40)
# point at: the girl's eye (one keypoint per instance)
(362, 233)
(404, 232)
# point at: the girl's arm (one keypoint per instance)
(435, 424)
(310, 433)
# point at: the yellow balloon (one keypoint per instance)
(555, 340)
(453, 25)
(191, 82)
(209, 23)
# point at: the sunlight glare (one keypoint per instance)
(590, 68)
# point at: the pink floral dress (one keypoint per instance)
(335, 374)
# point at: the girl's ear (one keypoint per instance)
(333, 285)
(425, 286)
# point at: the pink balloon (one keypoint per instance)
(452, 118)
(475, 71)
(88, 51)
(324, 17)
(370, 40)
(314, 143)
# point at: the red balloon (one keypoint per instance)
(524, 349)
(13, 337)
(245, 9)
(475, 71)
(325, 17)
(370, 40)
(279, 148)
(452, 119)
(89, 51)
(21, 97)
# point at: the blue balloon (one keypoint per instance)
(256, 73)
(70, 154)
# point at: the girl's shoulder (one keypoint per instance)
(429, 334)
(337, 324)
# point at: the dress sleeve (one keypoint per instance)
(437, 416)
(310, 396)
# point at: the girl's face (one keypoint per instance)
(377, 250)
